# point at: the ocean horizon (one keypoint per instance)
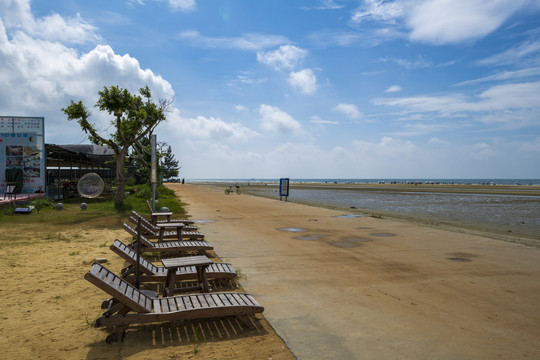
(457, 181)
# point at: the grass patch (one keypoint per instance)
(49, 224)
(240, 275)
(196, 340)
(89, 321)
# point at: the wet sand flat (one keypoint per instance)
(338, 286)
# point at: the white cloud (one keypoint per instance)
(181, 5)
(435, 140)
(439, 21)
(420, 62)
(516, 104)
(241, 108)
(40, 76)
(453, 21)
(286, 57)
(17, 17)
(304, 80)
(274, 119)
(247, 42)
(378, 10)
(205, 128)
(350, 110)
(515, 55)
(393, 88)
(317, 120)
(505, 75)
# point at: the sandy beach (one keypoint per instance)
(333, 287)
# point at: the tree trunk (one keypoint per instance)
(120, 178)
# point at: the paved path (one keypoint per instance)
(366, 288)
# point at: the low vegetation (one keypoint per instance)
(45, 223)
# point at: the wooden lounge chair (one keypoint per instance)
(156, 215)
(163, 231)
(167, 246)
(152, 273)
(130, 305)
(171, 225)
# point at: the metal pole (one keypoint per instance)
(153, 173)
(137, 280)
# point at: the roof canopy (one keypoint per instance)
(78, 155)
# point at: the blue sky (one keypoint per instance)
(300, 89)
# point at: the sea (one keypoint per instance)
(511, 214)
(492, 181)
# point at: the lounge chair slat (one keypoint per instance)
(224, 300)
(217, 300)
(172, 304)
(157, 305)
(187, 303)
(123, 287)
(195, 301)
(129, 292)
(202, 301)
(241, 299)
(103, 274)
(94, 270)
(164, 305)
(180, 303)
(232, 300)
(116, 282)
(210, 300)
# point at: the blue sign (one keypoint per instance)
(284, 187)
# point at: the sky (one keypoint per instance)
(293, 88)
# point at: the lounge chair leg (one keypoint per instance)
(119, 331)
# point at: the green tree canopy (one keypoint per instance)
(135, 116)
(167, 165)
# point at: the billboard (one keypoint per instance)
(22, 152)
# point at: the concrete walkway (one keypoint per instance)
(365, 288)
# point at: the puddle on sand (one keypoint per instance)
(203, 221)
(312, 237)
(357, 239)
(382, 234)
(344, 244)
(291, 229)
(459, 259)
(348, 216)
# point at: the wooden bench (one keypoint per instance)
(130, 305)
(156, 215)
(162, 231)
(167, 246)
(152, 273)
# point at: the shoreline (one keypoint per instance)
(524, 235)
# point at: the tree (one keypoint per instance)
(169, 164)
(133, 119)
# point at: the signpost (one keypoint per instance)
(283, 188)
(22, 153)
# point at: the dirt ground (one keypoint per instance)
(47, 307)
(338, 288)
(341, 287)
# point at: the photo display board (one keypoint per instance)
(22, 151)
